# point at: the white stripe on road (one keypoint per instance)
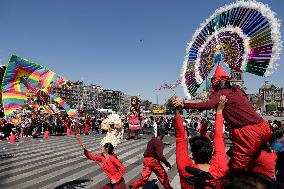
(48, 161)
(35, 151)
(91, 169)
(57, 172)
(39, 156)
(102, 175)
(176, 182)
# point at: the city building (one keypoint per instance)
(73, 96)
(257, 101)
(92, 97)
(271, 94)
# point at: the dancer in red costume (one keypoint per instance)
(152, 157)
(202, 149)
(249, 130)
(86, 125)
(113, 168)
(134, 118)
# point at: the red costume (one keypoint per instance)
(249, 131)
(86, 126)
(134, 118)
(218, 163)
(113, 168)
(46, 134)
(265, 164)
(152, 157)
(12, 139)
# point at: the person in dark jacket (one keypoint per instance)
(153, 155)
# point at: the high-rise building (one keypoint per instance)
(92, 97)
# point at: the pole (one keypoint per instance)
(61, 120)
(157, 99)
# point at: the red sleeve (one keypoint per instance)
(212, 103)
(182, 157)
(120, 167)
(90, 156)
(218, 164)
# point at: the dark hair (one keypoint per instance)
(202, 149)
(221, 84)
(247, 180)
(276, 134)
(161, 131)
(109, 148)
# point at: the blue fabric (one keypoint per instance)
(278, 145)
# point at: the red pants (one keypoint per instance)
(247, 141)
(151, 164)
(118, 185)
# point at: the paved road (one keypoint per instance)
(59, 162)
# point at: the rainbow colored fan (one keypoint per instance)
(244, 35)
(23, 79)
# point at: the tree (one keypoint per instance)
(169, 106)
(271, 107)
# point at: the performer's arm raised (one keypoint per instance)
(182, 157)
(93, 157)
(218, 164)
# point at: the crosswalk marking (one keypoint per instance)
(176, 182)
(59, 160)
(56, 172)
(94, 167)
(126, 163)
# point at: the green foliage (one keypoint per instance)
(169, 106)
(271, 107)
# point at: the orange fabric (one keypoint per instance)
(113, 168)
(265, 164)
(12, 139)
(151, 164)
(247, 141)
(218, 164)
(220, 72)
(46, 134)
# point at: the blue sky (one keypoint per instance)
(126, 45)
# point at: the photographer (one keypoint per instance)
(201, 149)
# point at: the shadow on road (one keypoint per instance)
(6, 156)
(151, 185)
(73, 184)
(3, 157)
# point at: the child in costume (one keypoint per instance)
(153, 155)
(249, 131)
(202, 149)
(134, 118)
(113, 125)
(113, 168)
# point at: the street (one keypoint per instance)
(58, 162)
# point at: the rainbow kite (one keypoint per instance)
(22, 78)
(71, 112)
